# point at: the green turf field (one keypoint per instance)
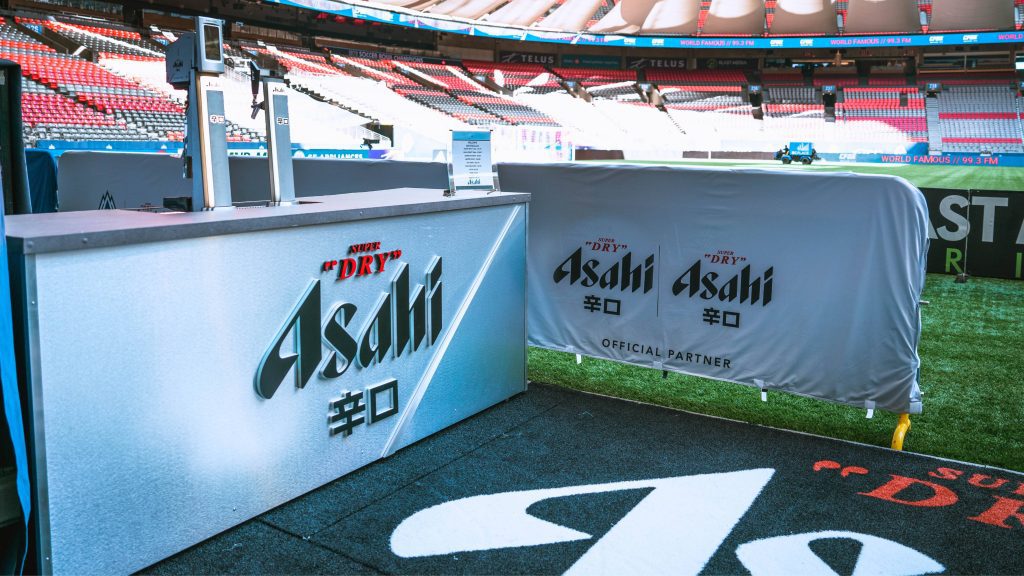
(959, 177)
(972, 375)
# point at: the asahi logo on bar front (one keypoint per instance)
(402, 320)
(361, 259)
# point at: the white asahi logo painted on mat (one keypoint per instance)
(676, 529)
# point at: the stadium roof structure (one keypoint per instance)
(883, 17)
(672, 17)
(651, 17)
(572, 15)
(614, 23)
(469, 9)
(523, 12)
(731, 17)
(970, 14)
(805, 17)
(402, 3)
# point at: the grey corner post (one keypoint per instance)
(195, 62)
(279, 139)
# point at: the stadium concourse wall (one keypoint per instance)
(977, 232)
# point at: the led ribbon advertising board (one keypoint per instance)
(427, 21)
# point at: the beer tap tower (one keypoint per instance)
(195, 62)
(278, 126)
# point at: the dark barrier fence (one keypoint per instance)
(976, 232)
(584, 154)
(93, 180)
(42, 180)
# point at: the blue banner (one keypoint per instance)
(471, 28)
(42, 180)
(58, 147)
(9, 385)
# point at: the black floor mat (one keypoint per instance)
(555, 481)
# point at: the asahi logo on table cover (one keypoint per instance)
(402, 320)
(609, 265)
(729, 286)
(617, 277)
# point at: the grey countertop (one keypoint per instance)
(60, 232)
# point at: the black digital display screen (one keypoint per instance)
(211, 41)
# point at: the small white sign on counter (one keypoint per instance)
(471, 166)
